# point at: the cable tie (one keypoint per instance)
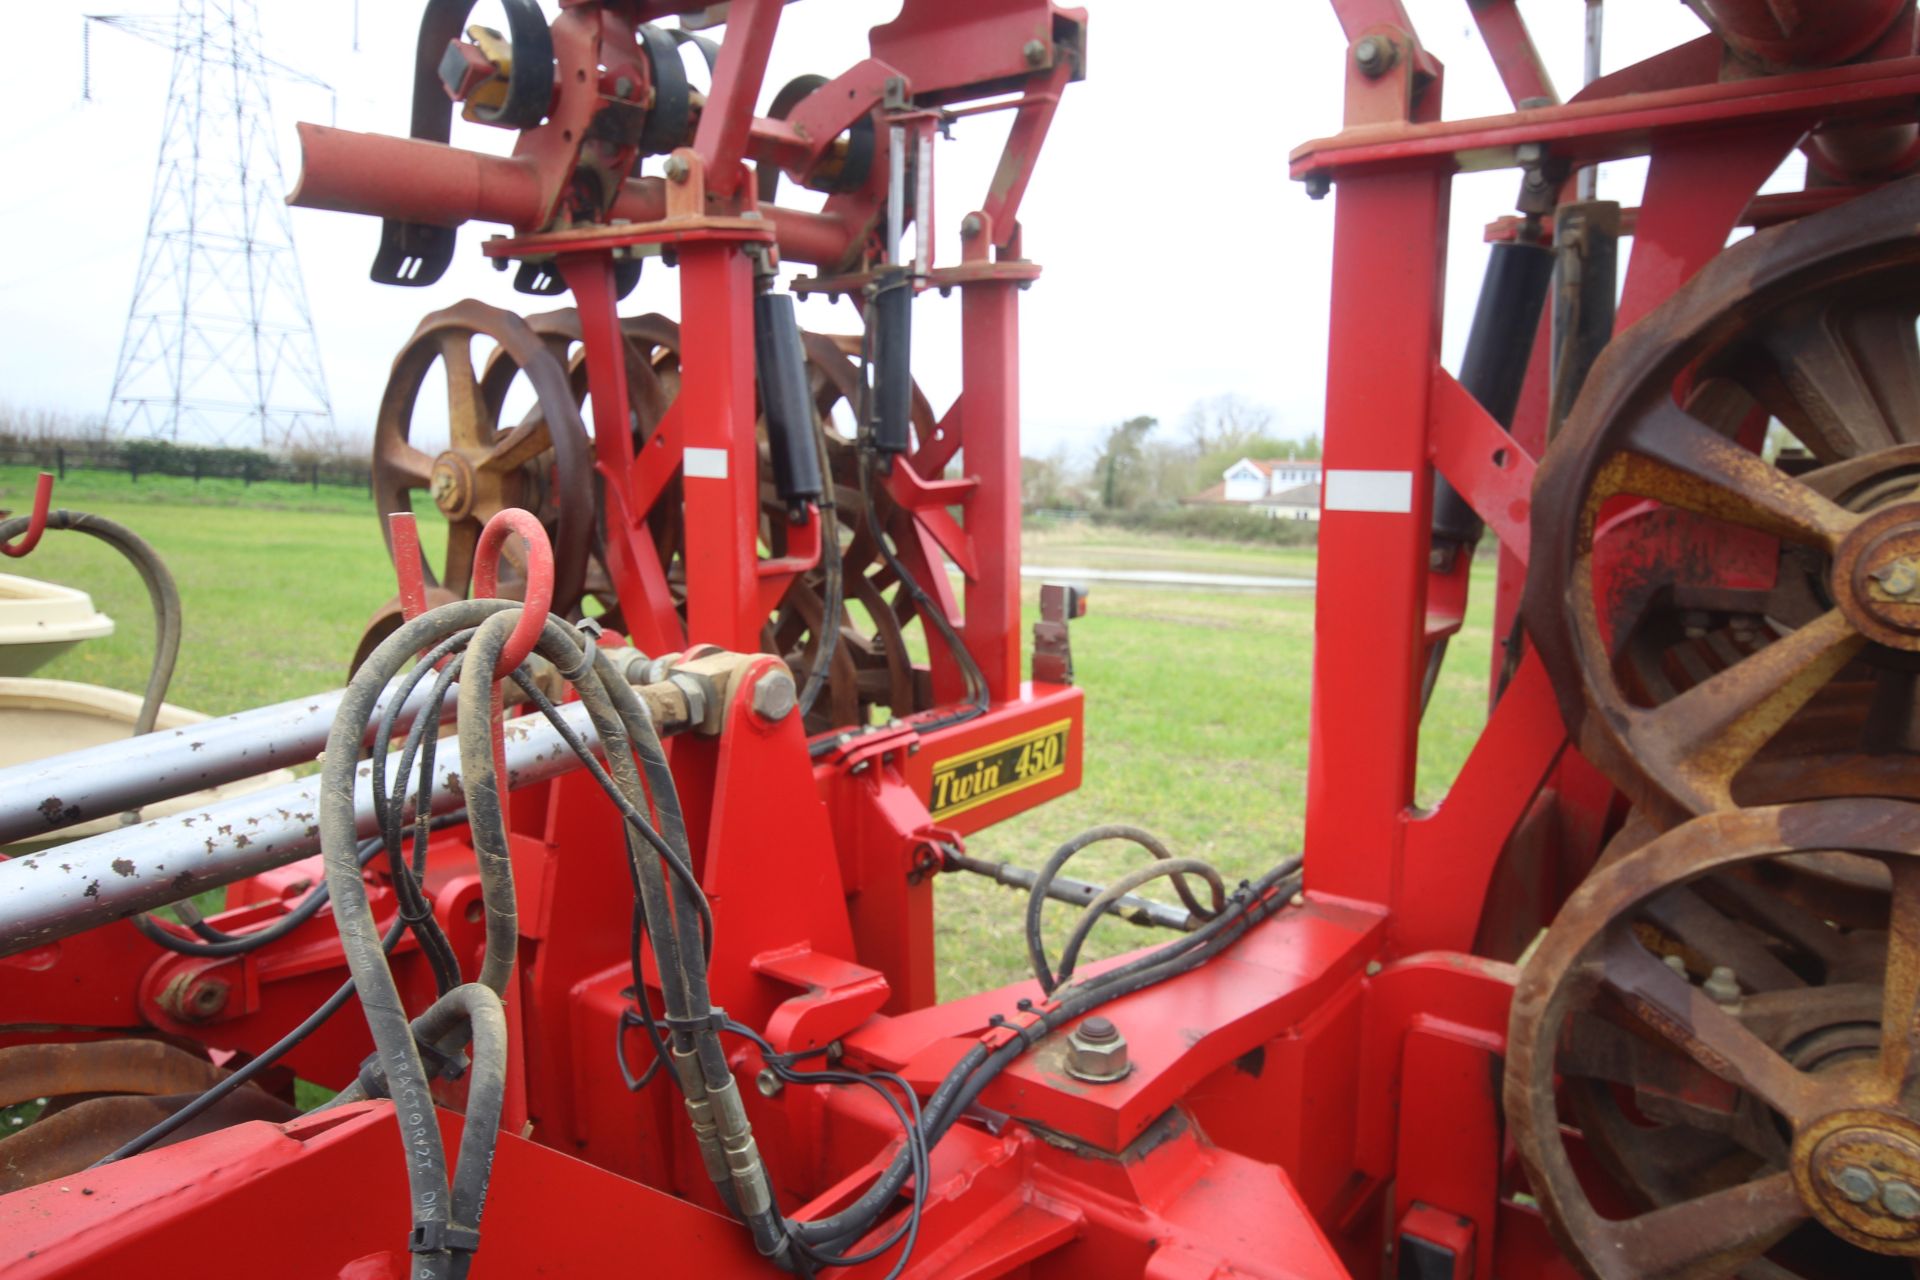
(714, 1021)
(442, 1237)
(574, 673)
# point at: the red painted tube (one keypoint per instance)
(415, 181)
(411, 180)
(1830, 32)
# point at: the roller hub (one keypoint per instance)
(452, 484)
(1859, 1171)
(1876, 577)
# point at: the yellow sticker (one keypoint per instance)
(999, 769)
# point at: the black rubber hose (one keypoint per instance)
(216, 942)
(486, 1022)
(161, 590)
(629, 808)
(1095, 910)
(423, 739)
(369, 849)
(486, 809)
(832, 571)
(980, 1066)
(978, 695)
(399, 1056)
(1057, 861)
(239, 944)
(398, 1053)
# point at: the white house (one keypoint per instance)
(1277, 488)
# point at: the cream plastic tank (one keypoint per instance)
(39, 621)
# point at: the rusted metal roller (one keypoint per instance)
(102, 1093)
(1772, 1116)
(544, 462)
(1812, 324)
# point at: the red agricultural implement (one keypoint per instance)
(637, 971)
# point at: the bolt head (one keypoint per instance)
(1856, 1184)
(971, 226)
(1722, 985)
(1901, 1200)
(1035, 52)
(1374, 55)
(1373, 968)
(1094, 1059)
(623, 87)
(768, 1083)
(1318, 184)
(773, 696)
(1898, 579)
(676, 169)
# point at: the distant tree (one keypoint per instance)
(1224, 424)
(1121, 470)
(1049, 483)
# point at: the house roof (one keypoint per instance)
(1267, 466)
(1301, 495)
(1216, 494)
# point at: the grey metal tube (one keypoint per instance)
(43, 796)
(66, 890)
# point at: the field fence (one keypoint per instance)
(137, 458)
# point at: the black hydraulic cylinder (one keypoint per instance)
(1494, 366)
(890, 314)
(781, 363)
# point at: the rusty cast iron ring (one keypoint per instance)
(485, 467)
(1855, 1132)
(1812, 323)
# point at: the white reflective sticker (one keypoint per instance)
(1369, 491)
(704, 464)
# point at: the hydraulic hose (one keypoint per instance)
(160, 590)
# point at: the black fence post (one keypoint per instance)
(196, 468)
(60, 459)
(316, 475)
(246, 472)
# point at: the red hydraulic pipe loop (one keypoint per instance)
(42, 497)
(539, 598)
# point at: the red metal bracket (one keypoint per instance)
(407, 564)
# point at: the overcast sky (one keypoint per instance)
(1180, 262)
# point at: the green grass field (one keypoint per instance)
(1196, 700)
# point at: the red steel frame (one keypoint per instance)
(1304, 1105)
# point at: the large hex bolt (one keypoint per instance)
(1901, 1200)
(1375, 56)
(1097, 1052)
(773, 695)
(1856, 1184)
